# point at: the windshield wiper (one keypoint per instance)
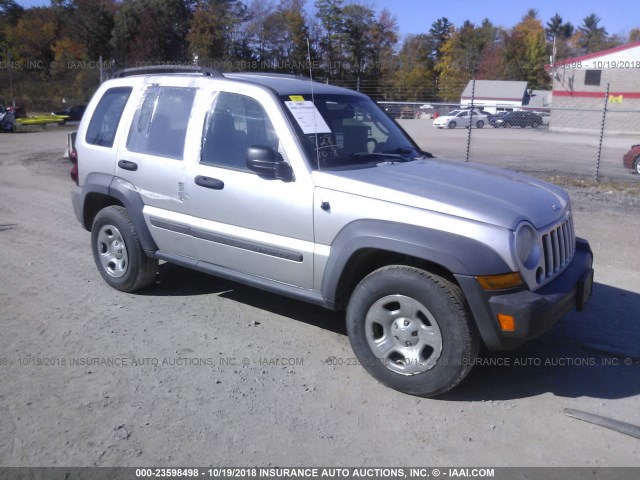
(408, 150)
(394, 156)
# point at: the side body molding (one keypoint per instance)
(457, 254)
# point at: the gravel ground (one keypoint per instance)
(208, 372)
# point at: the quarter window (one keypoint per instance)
(159, 126)
(234, 123)
(106, 117)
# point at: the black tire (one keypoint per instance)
(506, 125)
(479, 124)
(113, 234)
(452, 124)
(535, 125)
(636, 166)
(62, 123)
(439, 307)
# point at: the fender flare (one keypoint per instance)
(125, 193)
(455, 253)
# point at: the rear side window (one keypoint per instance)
(159, 126)
(106, 117)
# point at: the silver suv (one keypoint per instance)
(313, 192)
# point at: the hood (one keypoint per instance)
(467, 190)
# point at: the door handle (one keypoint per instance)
(128, 165)
(209, 182)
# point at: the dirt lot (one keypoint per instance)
(532, 150)
(207, 372)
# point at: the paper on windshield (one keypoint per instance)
(308, 117)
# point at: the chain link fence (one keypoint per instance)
(585, 141)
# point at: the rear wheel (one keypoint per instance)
(636, 165)
(117, 251)
(452, 125)
(479, 124)
(411, 330)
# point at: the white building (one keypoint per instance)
(580, 86)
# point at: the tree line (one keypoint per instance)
(61, 51)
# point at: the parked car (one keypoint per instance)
(492, 117)
(518, 119)
(311, 191)
(631, 159)
(545, 117)
(461, 118)
(73, 114)
(7, 120)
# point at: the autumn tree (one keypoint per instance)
(32, 37)
(150, 31)
(284, 35)
(357, 53)
(330, 28)
(461, 56)
(525, 52)
(10, 13)
(384, 38)
(634, 35)
(213, 28)
(93, 22)
(415, 78)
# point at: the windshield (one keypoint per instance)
(347, 130)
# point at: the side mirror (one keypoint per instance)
(266, 162)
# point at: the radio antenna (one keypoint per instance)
(313, 100)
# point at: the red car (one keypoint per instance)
(631, 159)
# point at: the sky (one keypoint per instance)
(416, 16)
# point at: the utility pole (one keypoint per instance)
(13, 99)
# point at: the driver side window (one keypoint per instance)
(234, 123)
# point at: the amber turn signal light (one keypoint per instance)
(500, 282)
(507, 322)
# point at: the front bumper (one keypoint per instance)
(534, 312)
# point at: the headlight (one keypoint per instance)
(527, 245)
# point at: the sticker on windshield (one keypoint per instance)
(296, 98)
(308, 117)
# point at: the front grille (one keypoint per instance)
(558, 245)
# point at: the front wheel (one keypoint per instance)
(118, 253)
(411, 330)
(636, 165)
(452, 125)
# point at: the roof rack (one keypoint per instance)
(271, 74)
(205, 71)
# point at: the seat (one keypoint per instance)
(224, 145)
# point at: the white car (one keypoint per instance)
(461, 118)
